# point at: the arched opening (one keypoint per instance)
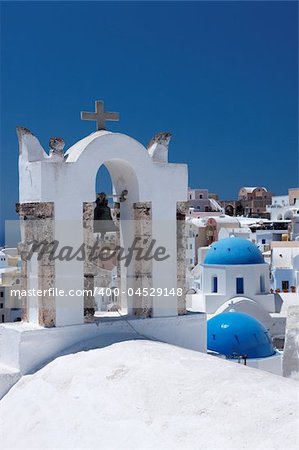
(105, 235)
(112, 232)
(229, 210)
(239, 210)
(103, 182)
(288, 215)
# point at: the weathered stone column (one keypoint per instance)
(116, 219)
(37, 228)
(23, 251)
(88, 238)
(182, 208)
(142, 306)
(290, 359)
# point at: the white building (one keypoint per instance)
(284, 206)
(191, 233)
(280, 204)
(234, 269)
(10, 304)
(264, 237)
(285, 267)
(200, 201)
(3, 259)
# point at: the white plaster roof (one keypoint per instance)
(200, 223)
(226, 219)
(93, 390)
(75, 151)
(251, 189)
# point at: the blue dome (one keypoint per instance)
(236, 334)
(233, 250)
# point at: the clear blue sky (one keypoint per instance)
(221, 76)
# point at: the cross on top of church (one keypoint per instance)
(100, 116)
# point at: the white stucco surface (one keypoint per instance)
(24, 347)
(148, 395)
(69, 181)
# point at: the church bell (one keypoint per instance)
(103, 222)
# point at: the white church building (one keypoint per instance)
(233, 270)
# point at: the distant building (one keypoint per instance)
(285, 267)
(191, 233)
(210, 228)
(284, 207)
(10, 304)
(294, 197)
(280, 204)
(252, 201)
(225, 226)
(264, 237)
(202, 201)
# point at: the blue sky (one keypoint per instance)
(221, 76)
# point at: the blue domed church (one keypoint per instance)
(234, 334)
(233, 270)
(242, 338)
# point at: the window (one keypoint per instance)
(214, 284)
(1, 305)
(2, 294)
(285, 285)
(262, 283)
(263, 241)
(240, 285)
(2, 318)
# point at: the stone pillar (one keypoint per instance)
(143, 305)
(182, 208)
(116, 219)
(37, 228)
(290, 359)
(88, 238)
(23, 252)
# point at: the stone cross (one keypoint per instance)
(99, 116)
